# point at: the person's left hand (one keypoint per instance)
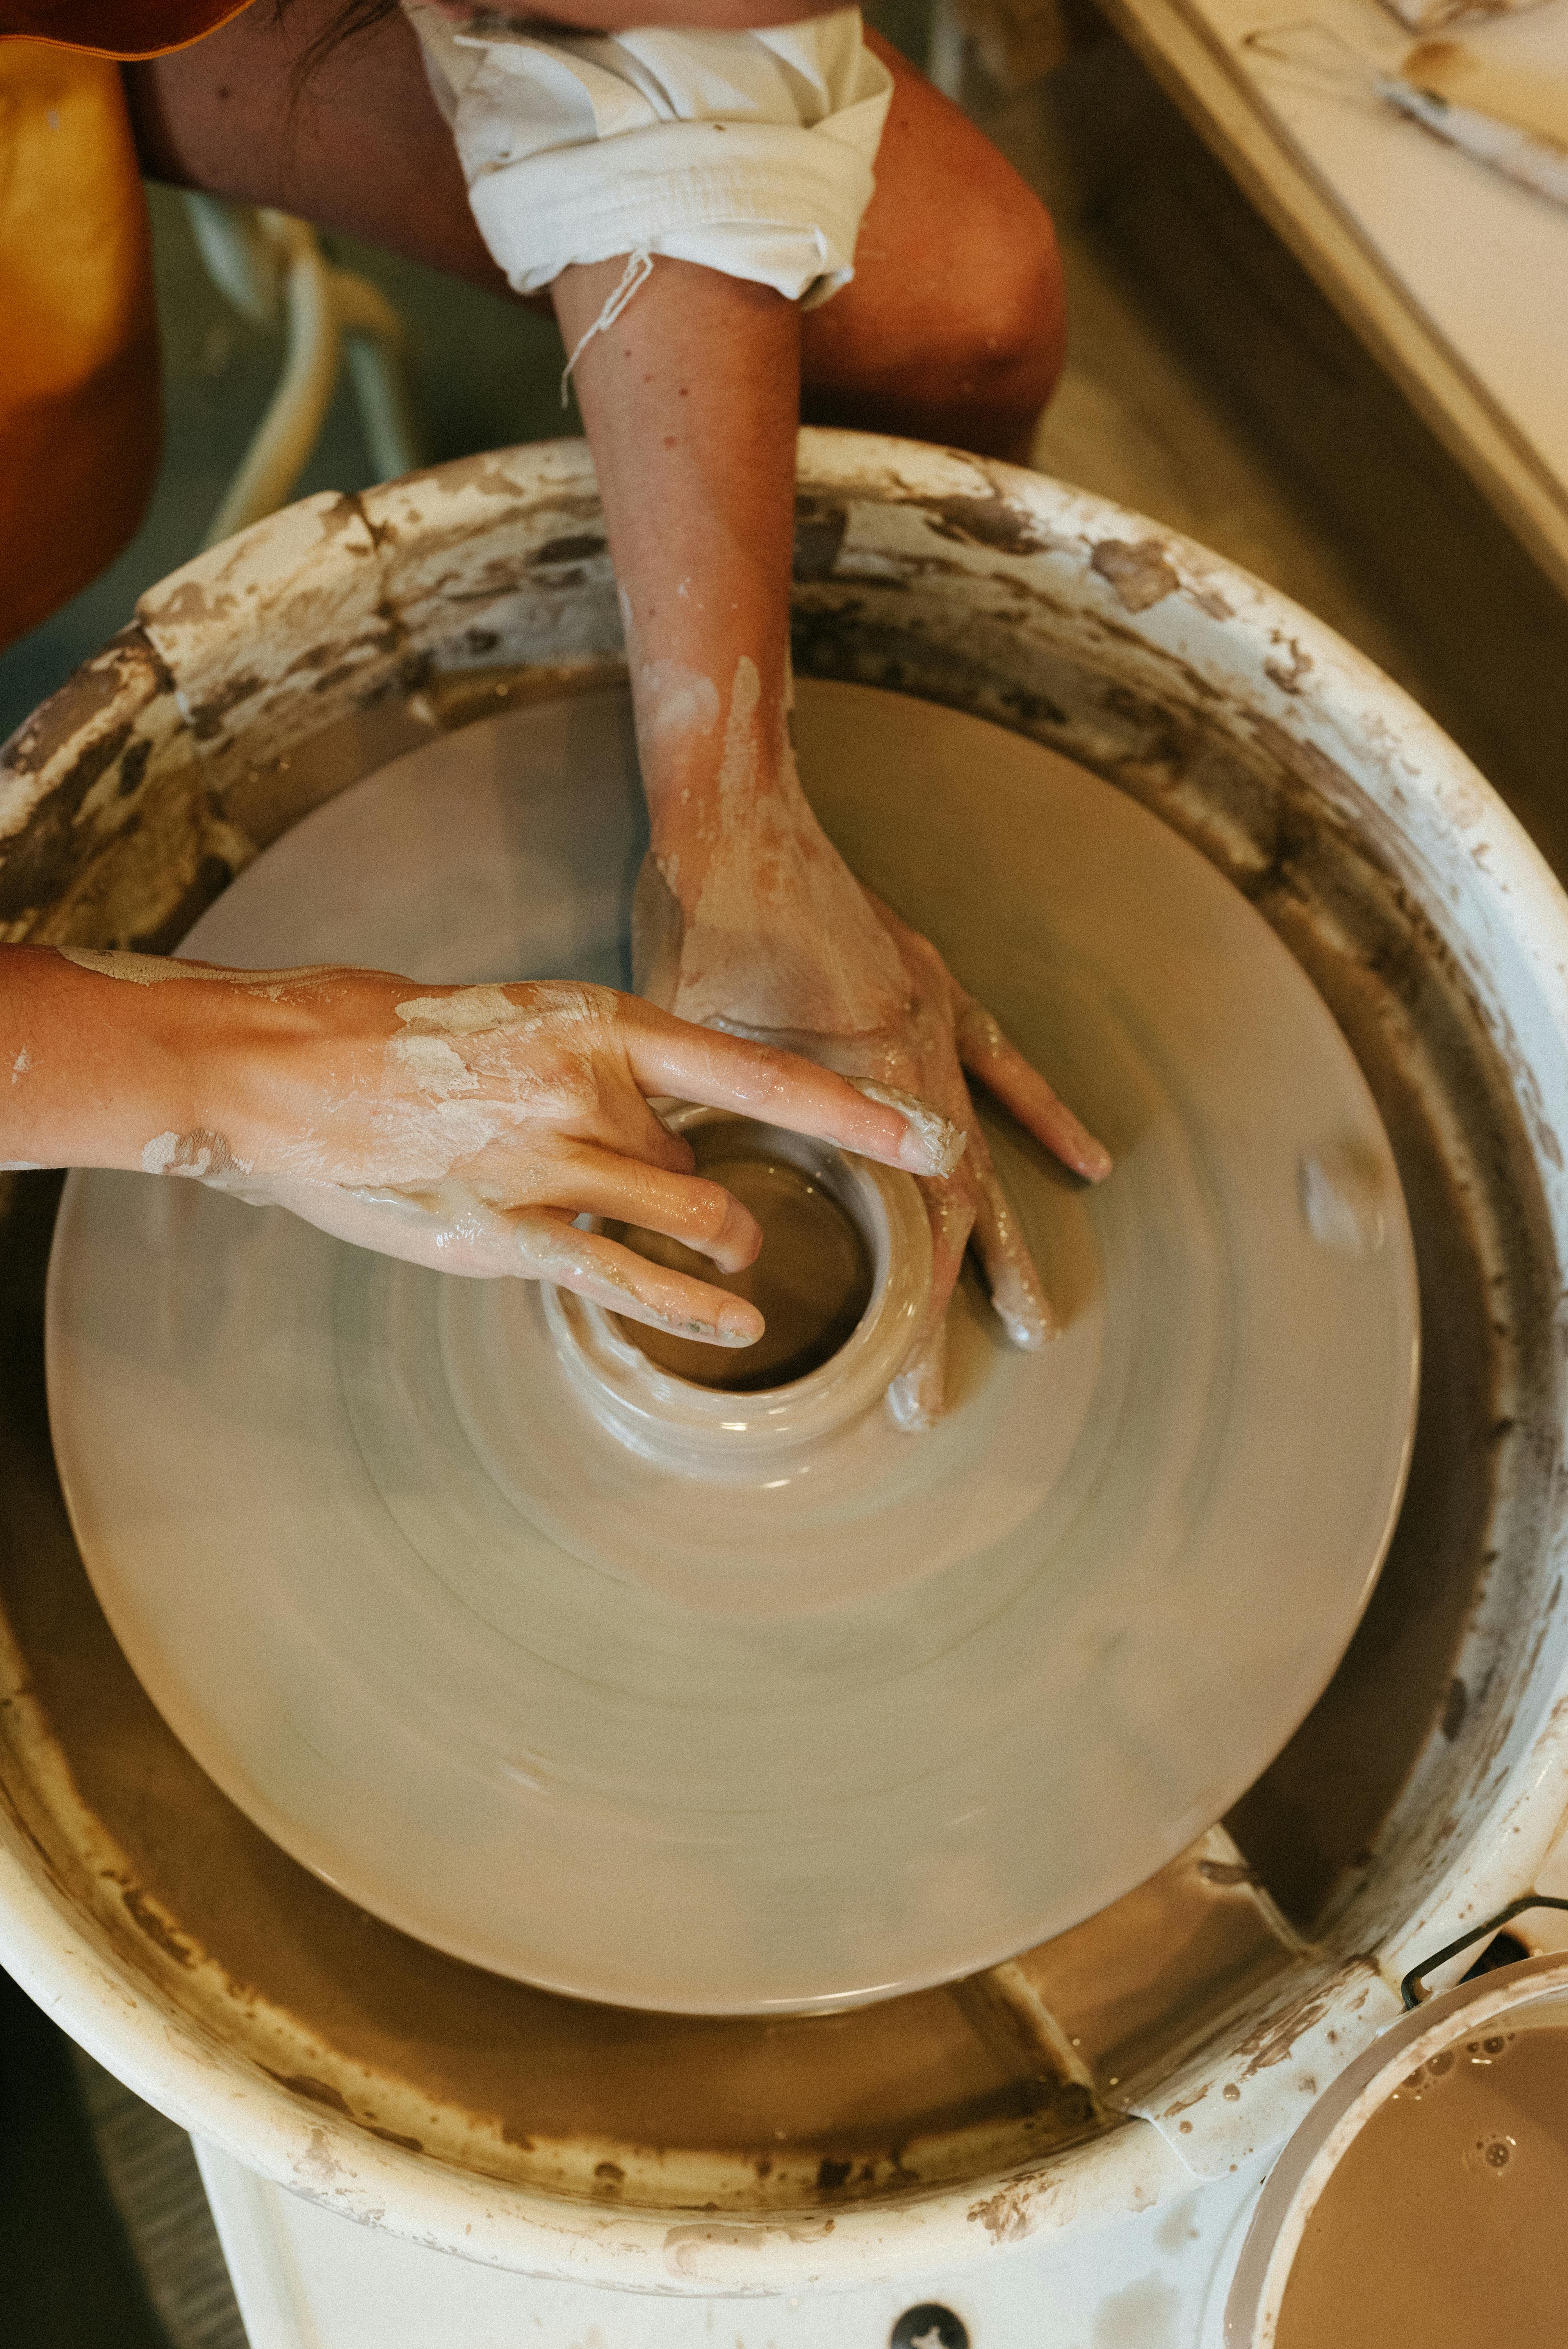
(815, 964)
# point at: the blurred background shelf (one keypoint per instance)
(1454, 279)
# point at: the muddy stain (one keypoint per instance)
(579, 546)
(1141, 2315)
(1011, 2213)
(993, 523)
(316, 2092)
(1139, 571)
(128, 666)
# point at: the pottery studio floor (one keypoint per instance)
(1208, 386)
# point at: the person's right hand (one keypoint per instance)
(467, 1127)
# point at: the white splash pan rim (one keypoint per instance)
(163, 2053)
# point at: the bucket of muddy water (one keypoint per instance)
(1420, 2205)
(1175, 2013)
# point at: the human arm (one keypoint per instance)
(951, 328)
(747, 916)
(458, 1127)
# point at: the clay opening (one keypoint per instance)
(812, 1283)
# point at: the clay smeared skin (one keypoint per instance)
(748, 920)
(203, 1154)
(777, 934)
(464, 1128)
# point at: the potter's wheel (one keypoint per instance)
(725, 1747)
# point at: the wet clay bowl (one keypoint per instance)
(1192, 2021)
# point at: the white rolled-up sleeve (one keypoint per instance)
(749, 151)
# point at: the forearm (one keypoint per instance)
(691, 403)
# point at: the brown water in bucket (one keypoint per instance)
(1445, 2224)
(812, 1283)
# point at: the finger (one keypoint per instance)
(625, 1122)
(687, 1207)
(506, 1171)
(451, 1231)
(1016, 1291)
(914, 1397)
(552, 1248)
(986, 1053)
(448, 1230)
(704, 1064)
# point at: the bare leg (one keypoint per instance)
(357, 146)
(954, 326)
(951, 329)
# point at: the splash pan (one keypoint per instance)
(835, 1730)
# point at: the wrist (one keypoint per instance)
(211, 1047)
(754, 837)
(92, 1072)
(142, 1062)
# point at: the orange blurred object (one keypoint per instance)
(117, 29)
(81, 423)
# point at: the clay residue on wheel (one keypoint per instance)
(88, 707)
(286, 1975)
(85, 746)
(1369, 1774)
(225, 1938)
(994, 521)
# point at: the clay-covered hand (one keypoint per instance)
(466, 1127)
(789, 947)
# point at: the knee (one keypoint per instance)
(954, 326)
(1002, 326)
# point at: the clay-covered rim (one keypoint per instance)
(1202, 618)
(1302, 2175)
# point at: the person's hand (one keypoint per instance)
(459, 1127)
(789, 947)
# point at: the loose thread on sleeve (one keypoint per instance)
(638, 270)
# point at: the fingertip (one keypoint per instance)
(739, 1324)
(1019, 1301)
(931, 1145)
(744, 1233)
(738, 1240)
(1028, 1332)
(909, 1405)
(934, 1147)
(1073, 1145)
(914, 1398)
(1071, 1141)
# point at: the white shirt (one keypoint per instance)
(750, 153)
